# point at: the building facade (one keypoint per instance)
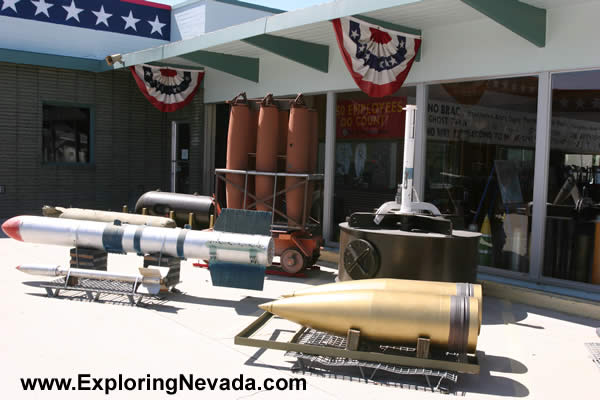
(507, 114)
(75, 132)
(508, 107)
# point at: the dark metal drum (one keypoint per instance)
(161, 203)
(390, 253)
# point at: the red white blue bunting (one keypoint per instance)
(378, 59)
(168, 89)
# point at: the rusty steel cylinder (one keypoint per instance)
(399, 285)
(450, 322)
(297, 160)
(267, 146)
(284, 119)
(240, 141)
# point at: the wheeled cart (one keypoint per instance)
(297, 242)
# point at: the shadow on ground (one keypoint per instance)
(495, 312)
(317, 276)
(486, 383)
(167, 302)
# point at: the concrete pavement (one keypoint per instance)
(524, 351)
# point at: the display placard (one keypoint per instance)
(370, 118)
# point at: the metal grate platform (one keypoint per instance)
(367, 371)
(594, 349)
(94, 288)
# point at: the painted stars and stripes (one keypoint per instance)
(133, 17)
(168, 89)
(378, 59)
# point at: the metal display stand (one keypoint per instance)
(94, 288)
(296, 242)
(307, 223)
(373, 372)
(315, 346)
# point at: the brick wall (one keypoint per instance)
(130, 142)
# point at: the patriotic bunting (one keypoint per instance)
(378, 59)
(168, 89)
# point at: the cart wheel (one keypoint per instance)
(292, 260)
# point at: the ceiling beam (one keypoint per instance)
(168, 64)
(312, 55)
(53, 60)
(393, 27)
(525, 20)
(244, 67)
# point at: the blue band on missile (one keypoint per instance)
(180, 240)
(137, 238)
(112, 239)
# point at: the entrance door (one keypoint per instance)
(180, 157)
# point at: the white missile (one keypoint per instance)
(115, 238)
(149, 280)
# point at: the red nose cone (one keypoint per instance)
(19, 267)
(11, 228)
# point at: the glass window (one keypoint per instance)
(368, 151)
(572, 242)
(66, 134)
(479, 163)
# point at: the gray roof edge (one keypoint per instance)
(268, 24)
(233, 3)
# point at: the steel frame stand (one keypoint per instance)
(94, 288)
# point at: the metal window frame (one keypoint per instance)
(422, 101)
(329, 179)
(544, 139)
(540, 175)
(541, 169)
(92, 108)
(174, 133)
(173, 158)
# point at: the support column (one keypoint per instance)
(172, 162)
(208, 167)
(329, 179)
(540, 176)
(421, 140)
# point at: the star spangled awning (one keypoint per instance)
(129, 17)
(378, 59)
(168, 89)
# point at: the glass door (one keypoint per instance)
(180, 157)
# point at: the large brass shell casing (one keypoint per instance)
(399, 285)
(450, 322)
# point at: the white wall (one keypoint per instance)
(221, 15)
(188, 21)
(475, 49)
(195, 18)
(43, 37)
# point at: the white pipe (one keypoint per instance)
(409, 159)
